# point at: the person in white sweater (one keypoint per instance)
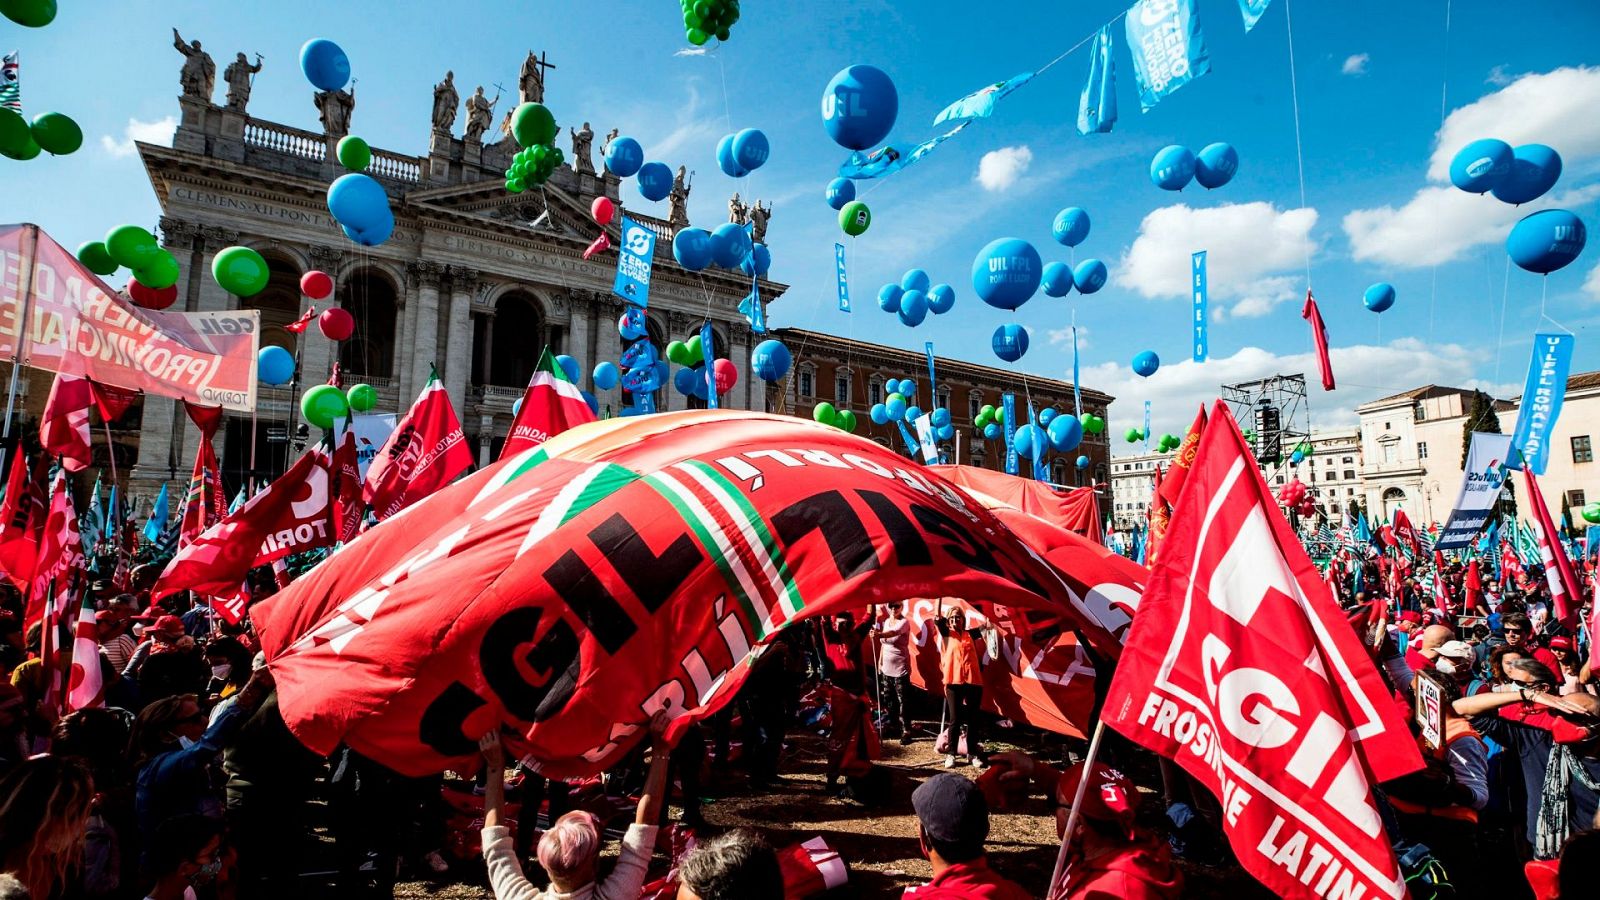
(570, 850)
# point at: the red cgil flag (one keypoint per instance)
(1240, 667)
(550, 405)
(1159, 517)
(203, 503)
(59, 550)
(22, 516)
(291, 515)
(348, 507)
(112, 401)
(1405, 533)
(423, 454)
(1565, 597)
(64, 427)
(1319, 334)
(1178, 471)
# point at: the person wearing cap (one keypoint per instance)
(960, 658)
(1570, 666)
(1454, 660)
(170, 663)
(1438, 805)
(953, 823)
(1424, 646)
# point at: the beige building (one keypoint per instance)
(1411, 445)
(1571, 477)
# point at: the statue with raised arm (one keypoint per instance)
(759, 215)
(334, 108)
(738, 213)
(240, 76)
(605, 146)
(480, 114)
(678, 201)
(582, 141)
(199, 74)
(445, 103)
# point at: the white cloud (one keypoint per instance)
(1440, 224)
(1356, 65)
(1000, 169)
(155, 132)
(1062, 337)
(1182, 386)
(1555, 108)
(691, 51)
(1591, 285)
(1252, 251)
(692, 128)
(1500, 76)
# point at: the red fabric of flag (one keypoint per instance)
(59, 550)
(1472, 586)
(425, 452)
(64, 427)
(550, 405)
(1565, 597)
(298, 326)
(1178, 472)
(1319, 334)
(112, 401)
(22, 516)
(348, 507)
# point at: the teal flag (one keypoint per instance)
(1097, 105)
(980, 104)
(158, 517)
(1168, 48)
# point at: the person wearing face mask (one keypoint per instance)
(230, 668)
(1453, 659)
(186, 853)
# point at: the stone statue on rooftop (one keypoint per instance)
(445, 103)
(738, 213)
(480, 114)
(582, 141)
(199, 74)
(678, 200)
(240, 76)
(759, 215)
(334, 108)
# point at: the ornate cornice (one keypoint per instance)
(425, 274)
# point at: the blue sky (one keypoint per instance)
(1370, 77)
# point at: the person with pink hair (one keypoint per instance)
(570, 849)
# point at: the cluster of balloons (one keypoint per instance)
(155, 270)
(729, 247)
(324, 404)
(353, 153)
(534, 128)
(770, 360)
(915, 296)
(989, 420)
(1296, 495)
(842, 419)
(1064, 432)
(325, 64)
(29, 13)
(742, 153)
(1542, 242)
(1135, 435)
(240, 271)
(1145, 363)
(1379, 297)
(1174, 166)
(50, 132)
(1167, 443)
(1070, 228)
(361, 207)
(1300, 452)
(704, 18)
(897, 403)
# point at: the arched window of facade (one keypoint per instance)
(514, 340)
(370, 297)
(279, 302)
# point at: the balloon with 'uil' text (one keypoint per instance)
(1146, 363)
(1379, 297)
(1481, 165)
(624, 156)
(1534, 170)
(889, 297)
(1546, 241)
(1071, 226)
(1057, 280)
(325, 65)
(1215, 165)
(1172, 168)
(655, 181)
(1010, 342)
(770, 360)
(859, 107)
(941, 299)
(1006, 273)
(840, 192)
(1089, 276)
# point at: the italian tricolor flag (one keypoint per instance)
(550, 405)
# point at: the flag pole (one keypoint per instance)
(1077, 803)
(31, 254)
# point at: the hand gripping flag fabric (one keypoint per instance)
(1240, 668)
(425, 452)
(550, 405)
(622, 567)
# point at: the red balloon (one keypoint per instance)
(602, 210)
(152, 298)
(336, 323)
(726, 374)
(316, 284)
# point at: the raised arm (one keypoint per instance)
(1483, 703)
(655, 783)
(494, 778)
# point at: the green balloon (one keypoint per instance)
(722, 34)
(855, 218)
(678, 352)
(28, 150)
(847, 421)
(982, 420)
(697, 37)
(1133, 435)
(533, 123)
(1099, 425)
(824, 413)
(1591, 512)
(31, 13)
(131, 246)
(516, 185)
(96, 259)
(56, 133)
(987, 411)
(362, 397)
(354, 154)
(160, 272)
(322, 404)
(697, 351)
(241, 271)
(999, 415)
(15, 136)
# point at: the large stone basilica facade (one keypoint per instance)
(475, 281)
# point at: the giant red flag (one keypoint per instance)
(59, 550)
(424, 452)
(1075, 509)
(22, 516)
(64, 426)
(625, 566)
(1177, 473)
(1472, 587)
(1319, 335)
(291, 515)
(1240, 667)
(550, 405)
(1565, 596)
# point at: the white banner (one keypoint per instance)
(1480, 487)
(371, 433)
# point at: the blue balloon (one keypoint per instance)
(879, 414)
(751, 149)
(941, 417)
(1546, 241)
(606, 375)
(1006, 273)
(1047, 415)
(1379, 297)
(908, 388)
(757, 262)
(1071, 226)
(372, 235)
(684, 380)
(991, 431)
(896, 408)
(913, 413)
(941, 299)
(1030, 441)
(593, 401)
(913, 308)
(1010, 342)
(1296, 458)
(624, 156)
(693, 248)
(569, 366)
(631, 324)
(916, 280)
(627, 411)
(1479, 166)
(1215, 165)
(889, 297)
(1172, 168)
(358, 201)
(274, 366)
(655, 181)
(1065, 432)
(324, 64)
(1083, 462)
(516, 407)
(1145, 363)
(770, 360)
(726, 160)
(840, 192)
(1089, 276)
(730, 244)
(1534, 170)
(1057, 281)
(859, 107)
(944, 432)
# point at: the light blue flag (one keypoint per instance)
(1168, 48)
(890, 159)
(1253, 10)
(842, 276)
(114, 517)
(158, 517)
(1097, 105)
(1147, 426)
(93, 522)
(1542, 394)
(980, 104)
(1039, 471)
(1363, 531)
(1008, 403)
(1591, 541)
(1198, 287)
(634, 259)
(238, 501)
(709, 346)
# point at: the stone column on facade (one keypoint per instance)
(422, 326)
(486, 365)
(457, 363)
(743, 394)
(485, 438)
(578, 333)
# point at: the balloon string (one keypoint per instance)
(1444, 94)
(1299, 153)
(1086, 39)
(1500, 342)
(1544, 287)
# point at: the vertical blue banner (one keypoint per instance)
(709, 353)
(1168, 48)
(1097, 105)
(844, 279)
(933, 385)
(912, 445)
(1252, 10)
(1038, 450)
(1008, 405)
(633, 263)
(1077, 392)
(1542, 395)
(750, 307)
(1197, 286)
(1147, 426)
